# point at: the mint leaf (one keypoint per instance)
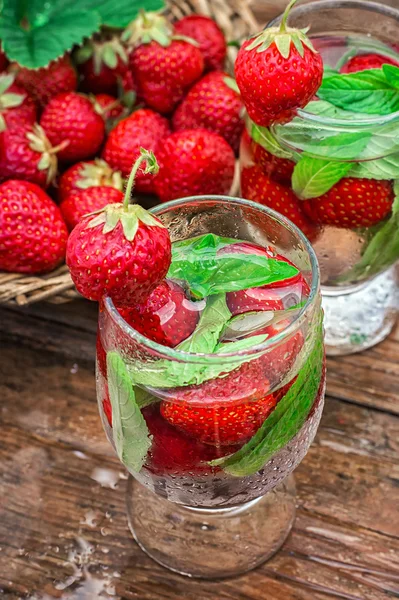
(208, 271)
(265, 138)
(212, 321)
(382, 250)
(366, 92)
(383, 168)
(323, 140)
(320, 139)
(284, 422)
(36, 32)
(392, 75)
(131, 436)
(313, 177)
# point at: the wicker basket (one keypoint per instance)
(237, 21)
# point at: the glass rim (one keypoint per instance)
(178, 355)
(309, 8)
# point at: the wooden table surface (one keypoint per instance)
(63, 528)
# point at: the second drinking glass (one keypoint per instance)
(335, 172)
(213, 413)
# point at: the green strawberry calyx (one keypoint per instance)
(282, 36)
(8, 99)
(148, 27)
(129, 215)
(152, 27)
(106, 52)
(97, 174)
(39, 142)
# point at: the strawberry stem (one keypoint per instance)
(152, 167)
(283, 26)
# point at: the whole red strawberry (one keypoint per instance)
(192, 163)
(363, 62)
(33, 235)
(82, 202)
(144, 128)
(16, 106)
(45, 83)
(88, 174)
(209, 36)
(212, 104)
(277, 72)
(352, 203)
(101, 64)
(221, 422)
(72, 118)
(166, 317)
(122, 252)
(26, 153)
(257, 186)
(163, 68)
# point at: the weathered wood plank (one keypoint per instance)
(52, 450)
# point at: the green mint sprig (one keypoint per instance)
(284, 422)
(207, 271)
(131, 435)
(369, 91)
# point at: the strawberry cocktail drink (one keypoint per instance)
(321, 147)
(210, 371)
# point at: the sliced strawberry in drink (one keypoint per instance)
(173, 452)
(219, 424)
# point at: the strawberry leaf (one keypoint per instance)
(206, 271)
(313, 177)
(36, 32)
(284, 422)
(131, 436)
(382, 250)
(366, 92)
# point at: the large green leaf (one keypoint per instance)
(333, 140)
(36, 32)
(284, 422)
(366, 92)
(131, 436)
(208, 271)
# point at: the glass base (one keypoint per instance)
(359, 318)
(211, 543)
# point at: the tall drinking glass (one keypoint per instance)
(210, 439)
(356, 252)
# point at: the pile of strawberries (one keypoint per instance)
(70, 132)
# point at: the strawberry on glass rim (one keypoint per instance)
(278, 71)
(120, 251)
